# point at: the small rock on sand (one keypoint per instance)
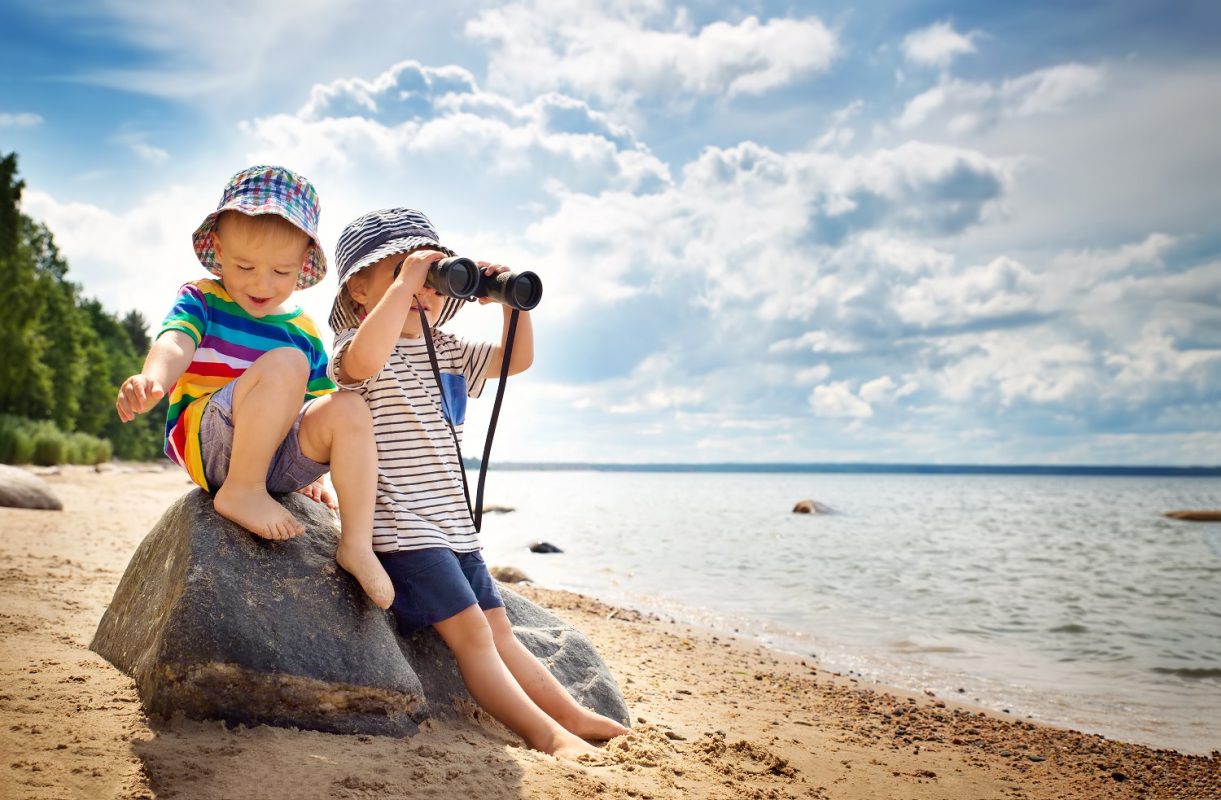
(544, 547)
(21, 489)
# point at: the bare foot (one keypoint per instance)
(365, 567)
(590, 725)
(253, 509)
(568, 746)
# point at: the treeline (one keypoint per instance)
(64, 356)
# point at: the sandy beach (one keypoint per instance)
(714, 717)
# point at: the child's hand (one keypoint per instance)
(412, 270)
(490, 269)
(318, 492)
(137, 394)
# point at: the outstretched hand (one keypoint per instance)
(137, 394)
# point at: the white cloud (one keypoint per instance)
(617, 52)
(415, 125)
(938, 45)
(21, 119)
(878, 390)
(837, 400)
(1050, 90)
(153, 155)
(751, 225)
(809, 375)
(999, 289)
(816, 342)
(1006, 366)
(966, 107)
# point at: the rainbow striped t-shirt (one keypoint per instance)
(227, 341)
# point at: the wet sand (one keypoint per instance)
(714, 717)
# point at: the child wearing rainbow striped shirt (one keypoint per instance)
(252, 410)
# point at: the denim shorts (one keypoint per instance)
(433, 584)
(289, 470)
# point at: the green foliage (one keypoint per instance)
(24, 441)
(10, 196)
(64, 357)
(16, 441)
(86, 449)
(50, 446)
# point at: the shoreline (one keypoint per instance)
(715, 716)
(871, 669)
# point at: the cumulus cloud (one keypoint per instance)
(1125, 351)
(758, 226)
(617, 52)
(425, 123)
(838, 400)
(968, 107)
(998, 290)
(937, 45)
(21, 119)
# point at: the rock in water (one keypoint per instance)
(21, 489)
(509, 575)
(215, 623)
(811, 507)
(1196, 515)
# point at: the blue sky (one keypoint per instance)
(911, 232)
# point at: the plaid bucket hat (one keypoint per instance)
(265, 189)
(366, 241)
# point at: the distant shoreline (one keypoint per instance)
(864, 468)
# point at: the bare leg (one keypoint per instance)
(266, 400)
(492, 685)
(338, 430)
(542, 687)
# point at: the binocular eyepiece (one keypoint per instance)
(456, 276)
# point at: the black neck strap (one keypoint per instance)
(476, 511)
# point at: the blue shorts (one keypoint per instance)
(433, 584)
(289, 470)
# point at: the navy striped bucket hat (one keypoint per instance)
(368, 240)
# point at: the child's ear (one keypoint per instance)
(358, 288)
(216, 244)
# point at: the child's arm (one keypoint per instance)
(523, 339)
(379, 331)
(523, 346)
(167, 359)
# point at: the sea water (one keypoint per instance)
(1069, 599)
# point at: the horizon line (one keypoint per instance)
(858, 467)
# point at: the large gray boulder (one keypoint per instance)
(215, 623)
(22, 489)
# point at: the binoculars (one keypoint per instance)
(456, 276)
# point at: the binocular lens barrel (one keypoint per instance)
(454, 277)
(521, 290)
(460, 277)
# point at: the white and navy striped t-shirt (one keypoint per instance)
(419, 482)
